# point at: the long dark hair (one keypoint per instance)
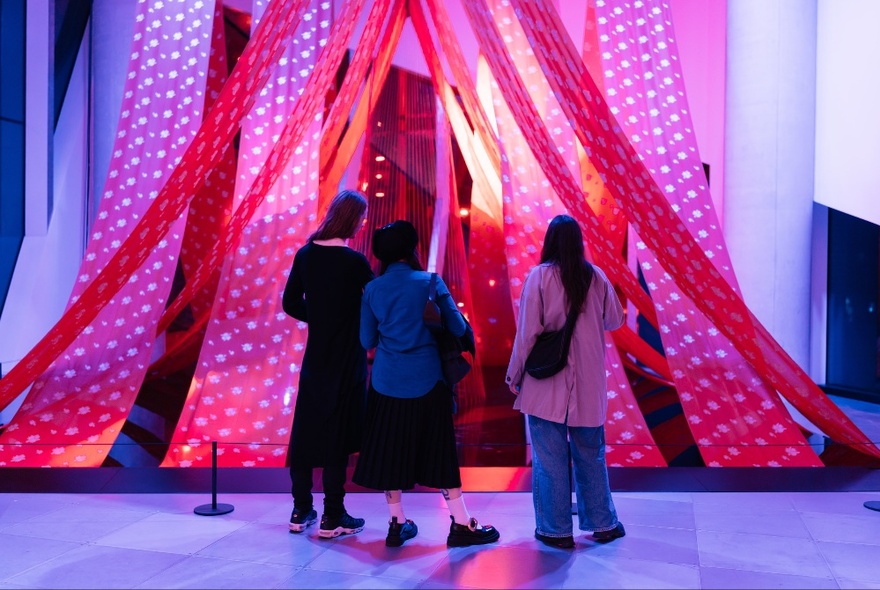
(564, 247)
(344, 216)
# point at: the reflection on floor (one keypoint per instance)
(674, 540)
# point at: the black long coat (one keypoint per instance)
(324, 289)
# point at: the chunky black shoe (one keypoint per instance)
(566, 542)
(464, 535)
(608, 536)
(345, 524)
(300, 520)
(398, 533)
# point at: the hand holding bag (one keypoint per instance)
(452, 347)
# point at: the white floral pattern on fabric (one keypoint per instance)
(244, 389)
(529, 204)
(85, 396)
(645, 91)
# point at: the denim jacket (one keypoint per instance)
(407, 362)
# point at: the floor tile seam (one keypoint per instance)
(848, 543)
(838, 579)
(637, 524)
(758, 569)
(804, 537)
(817, 540)
(9, 579)
(97, 543)
(144, 583)
(78, 545)
(33, 518)
(808, 537)
(578, 552)
(84, 520)
(226, 559)
(830, 578)
(768, 571)
(329, 543)
(823, 514)
(829, 566)
(417, 580)
(42, 537)
(250, 561)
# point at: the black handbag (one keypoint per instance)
(549, 355)
(455, 366)
(550, 352)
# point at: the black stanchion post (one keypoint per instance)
(213, 509)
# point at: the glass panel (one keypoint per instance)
(853, 294)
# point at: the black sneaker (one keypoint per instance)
(345, 524)
(398, 533)
(608, 536)
(300, 520)
(464, 535)
(564, 542)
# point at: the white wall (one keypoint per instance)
(52, 249)
(847, 117)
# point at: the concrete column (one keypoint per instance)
(769, 159)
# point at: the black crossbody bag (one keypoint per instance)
(549, 355)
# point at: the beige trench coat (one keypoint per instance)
(576, 395)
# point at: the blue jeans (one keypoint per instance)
(554, 448)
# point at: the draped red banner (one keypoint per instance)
(132, 249)
(540, 137)
(666, 235)
(243, 392)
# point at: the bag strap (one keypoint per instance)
(432, 287)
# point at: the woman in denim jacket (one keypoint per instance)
(409, 434)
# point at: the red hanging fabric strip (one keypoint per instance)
(529, 204)
(451, 49)
(338, 160)
(355, 77)
(307, 106)
(454, 268)
(243, 392)
(485, 317)
(724, 415)
(538, 138)
(208, 213)
(457, 117)
(601, 200)
(201, 155)
(212, 205)
(89, 377)
(667, 237)
(630, 342)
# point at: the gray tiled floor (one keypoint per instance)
(674, 540)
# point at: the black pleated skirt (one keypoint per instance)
(409, 442)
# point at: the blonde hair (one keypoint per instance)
(343, 217)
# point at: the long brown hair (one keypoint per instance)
(344, 217)
(564, 247)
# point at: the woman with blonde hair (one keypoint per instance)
(324, 290)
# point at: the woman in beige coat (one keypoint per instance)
(566, 411)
